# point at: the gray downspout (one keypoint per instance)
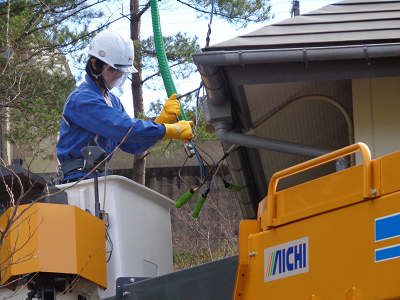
(218, 104)
(223, 133)
(239, 166)
(218, 98)
(214, 81)
(240, 172)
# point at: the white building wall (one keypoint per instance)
(376, 113)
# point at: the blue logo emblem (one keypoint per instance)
(386, 228)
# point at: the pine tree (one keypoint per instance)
(35, 78)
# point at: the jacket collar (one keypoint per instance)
(93, 85)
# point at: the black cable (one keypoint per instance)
(108, 238)
(213, 169)
(209, 25)
(179, 173)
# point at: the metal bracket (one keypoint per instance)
(305, 58)
(122, 282)
(190, 152)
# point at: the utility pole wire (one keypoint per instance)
(295, 8)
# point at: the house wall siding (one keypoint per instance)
(376, 107)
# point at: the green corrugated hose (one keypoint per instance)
(161, 56)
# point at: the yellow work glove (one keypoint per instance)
(171, 109)
(181, 130)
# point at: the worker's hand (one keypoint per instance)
(181, 130)
(171, 109)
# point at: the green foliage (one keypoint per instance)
(168, 148)
(49, 26)
(34, 77)
(35, 114)
(184, 258)
(179, 49)
(242, 12)
(239, 13)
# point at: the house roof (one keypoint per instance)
(278, 83)
(346, 22)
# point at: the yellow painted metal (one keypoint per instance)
(323, 194)
(341, 256)
(246, 228)
(353, 294)
(336, 224)
(267, 217)
(391, 174)
(53, 238)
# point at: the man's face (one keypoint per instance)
(112, 77)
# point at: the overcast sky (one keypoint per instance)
(183, 19)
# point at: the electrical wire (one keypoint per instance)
(202, 163)
(209, 25)
(202, 169)
(179, 172)
(232, 148)
(196, 112)
(105, 186)
(216, 172)
(205, 161)
(108, 239)
(197, 146)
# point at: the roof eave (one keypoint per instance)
(306, 54)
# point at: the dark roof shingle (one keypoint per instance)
(344, 22)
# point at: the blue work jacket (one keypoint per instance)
(88, 120)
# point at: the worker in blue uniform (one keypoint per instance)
(93, 115)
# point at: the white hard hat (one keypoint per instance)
(113, 48)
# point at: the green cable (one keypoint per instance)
(161, 56)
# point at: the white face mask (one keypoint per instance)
(113, 77)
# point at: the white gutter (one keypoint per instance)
(306, 54)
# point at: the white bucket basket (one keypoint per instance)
(139, 226)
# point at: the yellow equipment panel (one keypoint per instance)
(337, 237)
(53, 238)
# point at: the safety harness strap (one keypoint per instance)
(78, 165)
(74, 164)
